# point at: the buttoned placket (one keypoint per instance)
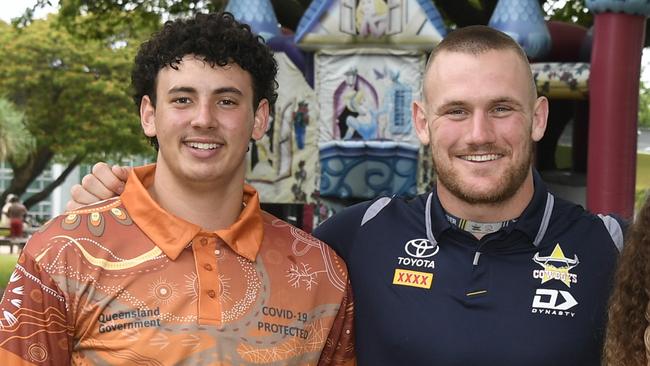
(479, 284)
(205, 249)
(479, 278)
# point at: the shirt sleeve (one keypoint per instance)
(340, 230)
(34, 327)
(339, 347)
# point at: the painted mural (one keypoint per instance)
(389, 22)
(366, 94)
(282, 163)
(367, 144)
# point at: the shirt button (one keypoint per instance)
(211, 293)
(207, 267)
(204, 241)
(217, 252)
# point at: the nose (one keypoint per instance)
(481, 130)
(204, 116)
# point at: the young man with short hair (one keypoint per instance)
(489, 268)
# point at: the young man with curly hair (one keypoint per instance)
(183, 267)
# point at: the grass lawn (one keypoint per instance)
(7, 263)
(563, 161)
(642, 172)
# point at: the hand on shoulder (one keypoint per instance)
(103, 183)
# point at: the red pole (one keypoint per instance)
(308, 217)
(614, 103)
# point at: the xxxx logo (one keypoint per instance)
(412, 278)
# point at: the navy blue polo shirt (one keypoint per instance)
(428, 293)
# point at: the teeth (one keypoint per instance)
(202, 145)
(486, 157)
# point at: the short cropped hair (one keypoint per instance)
(219, 40)
(476, 40)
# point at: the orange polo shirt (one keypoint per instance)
(123, 282)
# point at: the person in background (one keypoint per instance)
(4, 219)
(489, 267)
(627, 341)
(16, 212)
(183, 267)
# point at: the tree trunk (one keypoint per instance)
(24, 174)
(38, 197)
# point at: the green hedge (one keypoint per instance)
(7, 264)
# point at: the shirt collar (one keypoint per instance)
(533, 221)
(172, 234)
(438, 218)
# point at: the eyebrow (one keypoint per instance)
(507, 100)
(217, 91)
(450, 104)
(460, 103)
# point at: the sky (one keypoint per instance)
(14, 8)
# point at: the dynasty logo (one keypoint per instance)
(553, 302)
(556, 267)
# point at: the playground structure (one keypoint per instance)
(342, 132)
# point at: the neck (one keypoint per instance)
(213, 207)
(505, 210)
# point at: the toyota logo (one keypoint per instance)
(421, 248)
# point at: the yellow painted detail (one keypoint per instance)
(476, 293)
(112, 265)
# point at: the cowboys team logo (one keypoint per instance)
(556, 267)
(419, 253)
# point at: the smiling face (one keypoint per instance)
(203, 119)
(480, 116)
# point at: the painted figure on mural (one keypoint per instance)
(353, 100)
(300, 177)
(300, 119)
(364, 124)
(346, 91)
(262, 167)
(372, 18)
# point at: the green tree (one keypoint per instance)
(74, 94)
(101, 18)
(15, 140)
(644, 106)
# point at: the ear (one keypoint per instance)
(420, 121)
(540, 116)
(148, 116)
(261, 121)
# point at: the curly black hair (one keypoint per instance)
(218, 39)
